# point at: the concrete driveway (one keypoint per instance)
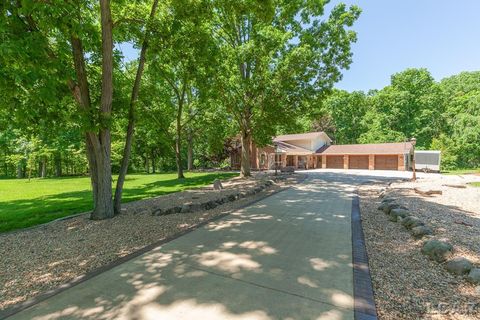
(288, 256)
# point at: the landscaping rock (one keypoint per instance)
(217, 185)
(411, 222)
(289, 169)
(459, 266)
(421, 231)
(392, 205)
(474, 276)
(196, 207)
(398, 214)
(186, 208)
(437, 250)
(382, 206)
(157, 212)
(387, 200)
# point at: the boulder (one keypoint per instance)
(382, 206)
(421, 231)
(459, 266)
(186, 207)
(289, 169)
(474, 276)
(157, 212)
(231, 197)
(398, 214)
(410, 222)
(196, 207)
(217, 185)
(437, 250)
(392, 205)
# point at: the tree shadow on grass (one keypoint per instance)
(24, 213)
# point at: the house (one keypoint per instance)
(314, 150)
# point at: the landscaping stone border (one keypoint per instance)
(364, 302)
(10, 311)
(437, 250)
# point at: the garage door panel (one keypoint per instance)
(386, 162)
(335, 162)
(358, 162)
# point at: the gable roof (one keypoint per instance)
(290, 148)
(371, 148)
(301, 136)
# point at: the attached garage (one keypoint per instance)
(358, 162)
(335, 162)
(384, 162)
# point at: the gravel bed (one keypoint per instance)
(40, 259)
(407, 285)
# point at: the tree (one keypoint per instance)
(277, 55)
(183, 56)
(132, 110)
(342, 116)
(410, 107)
(41, 42)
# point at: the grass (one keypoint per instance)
(475, 184)
(461, 171)
(26, 203)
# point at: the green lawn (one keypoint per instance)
(26, 203)
(475, 184)
(461, 171)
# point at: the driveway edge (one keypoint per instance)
(364, 302)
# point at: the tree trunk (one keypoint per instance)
(98, 145)
(246, 140)
(131, 119)
(58, 164)
(245, 160)
(147, 164)
(178, 141)
(190, 150)
(153, 162)
(43, 167)
(20, 170)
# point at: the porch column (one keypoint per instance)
(401, 163)
(371, 162)
(324, 161)
(284, 160)
(295, 161)
(345, 161)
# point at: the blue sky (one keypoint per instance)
(442, 36)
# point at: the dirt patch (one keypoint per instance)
(42, 258)
(408, 285)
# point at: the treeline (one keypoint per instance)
(441, 115)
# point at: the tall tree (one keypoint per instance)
(132, 110)
(43, 49)
(276, 55)
(183, 58)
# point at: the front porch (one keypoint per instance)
(300, 161)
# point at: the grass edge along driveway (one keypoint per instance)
(26, 203)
